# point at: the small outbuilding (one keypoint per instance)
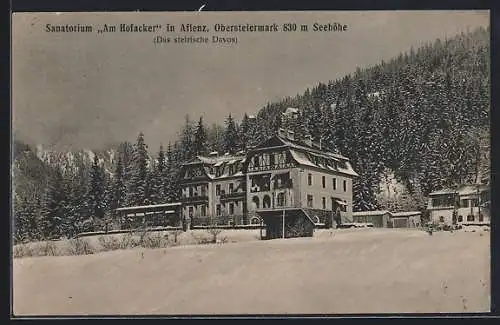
(379, 219)
(408, 219)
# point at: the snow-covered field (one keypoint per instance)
(347, 271)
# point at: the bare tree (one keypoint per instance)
(213, 228)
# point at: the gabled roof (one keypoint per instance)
(303, 154)
(464, 189)
(443, 192)
(277, 141)
(472, 189)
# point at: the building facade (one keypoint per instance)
(280, 177)
(213, 189)
(462, 205)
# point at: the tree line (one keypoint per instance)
(422, 116)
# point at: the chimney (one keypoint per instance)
(290, 135)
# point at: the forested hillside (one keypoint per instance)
(422, 117)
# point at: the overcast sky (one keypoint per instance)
(88, 90)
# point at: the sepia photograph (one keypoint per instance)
(250, 163)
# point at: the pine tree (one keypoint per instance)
(299, 127)
(244, 135)
(215, 136)
(96, 194)
(119, 187)
(187, 150)
(137, 193)
(126, 153)
(157, 189)
(200, 138)
(53, 210)
(315, 124)
(21, 222)
(168, 175)
(79, 196)
(231, 136)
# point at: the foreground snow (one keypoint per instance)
(346, 271)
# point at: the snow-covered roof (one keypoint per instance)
(471, 189)
(370, 213)
(290, 111)
(406, 214)
(466, 189)
(348, 170)
(303, 159)
(216, 161)
(323, 153)
(443, 191)
(141, 207)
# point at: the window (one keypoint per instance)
(203, 190)
(218, 210)
(345, 186)
(190, 212)
(445, 201)
(464, 203)
(309, 179)
(230, 188)
(323, 180)
(324, 203)
(255, 200)
(190, 191)
(231, 208)
(334, 183)
(266, 202)
(203, 210)
(309, 200)
(460, 218)
(481, 218)
(271, 159)
(470, 218)
(281, 199)
(217, 190)
(474, 202)
(441, 219)
(256, 161)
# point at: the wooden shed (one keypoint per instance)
(409, 219)
(379, 218)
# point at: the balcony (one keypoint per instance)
(271, 167)
(278, 207)
(231, 196)
(194, 199)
